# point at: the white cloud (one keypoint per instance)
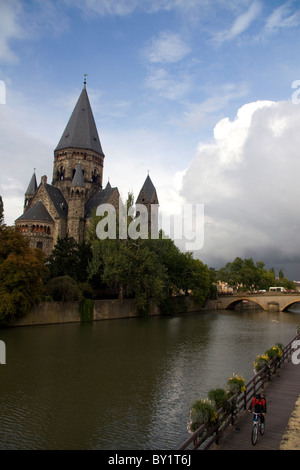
(240, 24)
(248, 181)
(162, 54)
(167, 85)
(9, 28)
(20, 153)
(282, 17)
(168, 47)
(106, 7)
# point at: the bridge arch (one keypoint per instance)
(285, 307)
(232, 302)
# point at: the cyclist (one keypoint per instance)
(260, 406)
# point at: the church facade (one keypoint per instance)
(65, 206)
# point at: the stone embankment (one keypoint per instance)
(291, 438)
(47, 313)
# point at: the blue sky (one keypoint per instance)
(197, 92)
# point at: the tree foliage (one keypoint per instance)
(146, 269)
(245, 274)
(69, 258)
(1, 211)
(63, 288)
(22, 270)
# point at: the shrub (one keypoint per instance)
(274, 352)
(236, 384)
(63, 288)
(218, 396)
(202, 412)
(260, 362)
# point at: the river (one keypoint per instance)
(125, 384)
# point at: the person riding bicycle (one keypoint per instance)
(260, 406)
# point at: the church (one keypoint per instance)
(65, 206)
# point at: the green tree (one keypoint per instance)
(1, 211)
(146, 269)
(63, 288)
(69, 258)
(22, 270)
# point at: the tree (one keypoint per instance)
(146, 269)
(63, 288)
(22, 270)
(245, 274)
(1, 211)
(69, 258)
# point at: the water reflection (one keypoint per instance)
(125, 384)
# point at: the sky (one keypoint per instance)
(204, 95)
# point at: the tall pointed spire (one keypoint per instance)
(81, 131)
(32, 187)
(78, 179)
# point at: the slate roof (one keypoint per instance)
(99, 197)
(78, 179)
(148, 188)
(32, 187)
(37, 212)
(58, 200)
(81, 130)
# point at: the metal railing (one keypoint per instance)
(206, 435)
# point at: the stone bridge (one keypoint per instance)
(269, 301)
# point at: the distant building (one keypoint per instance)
(65, 206)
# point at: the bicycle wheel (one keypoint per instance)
(254, 434)
(262, 427)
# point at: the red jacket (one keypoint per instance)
(259, 405)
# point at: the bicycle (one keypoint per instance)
(258, 426)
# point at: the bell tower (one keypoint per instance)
(76, 206)
(79, 143)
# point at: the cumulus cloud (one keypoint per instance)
(248, 180)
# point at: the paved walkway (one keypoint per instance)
(281, 394)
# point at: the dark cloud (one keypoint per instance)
(248, 180)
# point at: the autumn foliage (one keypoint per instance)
(21, 274)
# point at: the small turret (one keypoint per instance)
(148, 198)
(31, 190)
(76, 205)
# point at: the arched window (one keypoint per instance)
(39, 245)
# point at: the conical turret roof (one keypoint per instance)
(37, 212)
(32, 187)
(148, 189)
(81, 130)
(78, 179)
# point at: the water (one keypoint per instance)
(125, 384)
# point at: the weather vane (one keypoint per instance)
(84, 82)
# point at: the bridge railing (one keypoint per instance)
(206, 435)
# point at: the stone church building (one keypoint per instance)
(65, 206)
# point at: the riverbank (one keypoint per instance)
(49, 313)
(291, 437)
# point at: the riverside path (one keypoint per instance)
(281, 395)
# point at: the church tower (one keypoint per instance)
(76, 206)
(79, 143)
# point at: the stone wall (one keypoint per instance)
(68, 312)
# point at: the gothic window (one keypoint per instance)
(61, 173)
(39, 245)
(95, 176)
